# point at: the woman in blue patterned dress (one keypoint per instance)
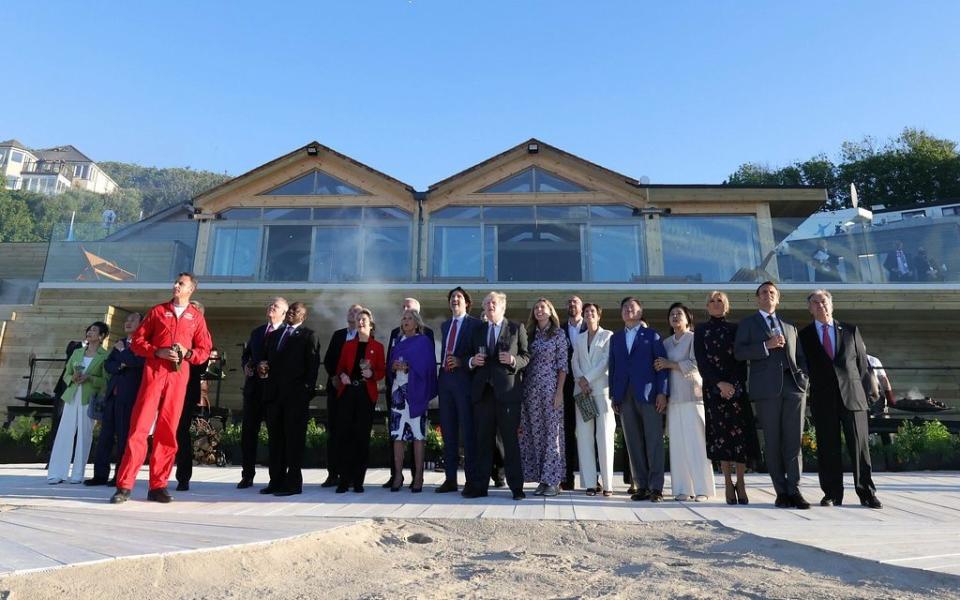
(541, 415)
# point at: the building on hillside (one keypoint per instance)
(51, 171)
(321, 227)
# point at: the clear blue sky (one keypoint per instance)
(421, 89)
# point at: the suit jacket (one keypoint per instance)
(254, 351)
(634, 370)
(294, 366)
(461, 350)
(394, 336)
(96, 382)
(766, 376)
(126, 371)
(505, 379)
(593, 365)
(847, 373)
(378, 365)
(892, 265)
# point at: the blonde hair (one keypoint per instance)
(554, 321)
(369, 315)
(723, 297)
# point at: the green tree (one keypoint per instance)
(16, 222)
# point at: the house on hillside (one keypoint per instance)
(52, 170)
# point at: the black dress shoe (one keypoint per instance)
(518, 495)
(469, 492)
(566, 485)
(283, 493)
(183, 486)
(798, 501)
(871, 501)
(342, 488)
(656, 496)
(245, 482)
(826, 501)
(269, 490)
(499, 482)
(112, 482)
(782, 501)
(389, 483)
(330, 481)
(446, 486)
(640, 495)
(120, 496)
(160, 495)
(96, 481)
(358, 488)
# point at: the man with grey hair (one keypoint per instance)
(395, 335)
(253, 408)
(840, 385)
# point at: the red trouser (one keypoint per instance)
(161, 396)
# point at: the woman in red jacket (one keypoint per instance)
(361, 366)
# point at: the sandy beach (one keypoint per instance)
(494, 559)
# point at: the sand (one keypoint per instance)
(494, 559)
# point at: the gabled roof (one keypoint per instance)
(522, 147)
(65, 153)
(241, 179)
(13, 143)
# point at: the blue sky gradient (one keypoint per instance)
(422, 89)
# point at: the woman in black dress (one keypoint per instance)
(730, 429)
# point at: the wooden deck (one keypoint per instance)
(43, 526)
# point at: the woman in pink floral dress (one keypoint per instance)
(541, 416)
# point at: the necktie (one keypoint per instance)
(452, 337)
(492, 339)
(773, 323)
(827, 344)
(266, 335)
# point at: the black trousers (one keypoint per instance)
(184, 441)
(354, 423)
(491, 417)
(113, 429)
(333, 458)
(830, 417)
(253, 415)
(287, 428)
(571, 454)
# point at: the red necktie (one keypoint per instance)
(452, 337)
(827, 344)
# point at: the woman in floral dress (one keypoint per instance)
(541, 415)
(730, 428)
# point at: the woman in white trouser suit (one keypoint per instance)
(591, 352)
(691, 472)
(85, 376)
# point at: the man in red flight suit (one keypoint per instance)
(171, 333)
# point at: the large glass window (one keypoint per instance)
(336, 254)
(533, 180)
(527, 243)
(316, 183)
(236, 251)
(710, 249)
(16, 156)
(287, 257)
(386, 254)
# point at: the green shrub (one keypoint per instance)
(316, 435)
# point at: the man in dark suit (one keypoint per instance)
(899, 266)
(778, 385)
(253, 408)
(330, 358)
(499, 355)
(574, 327)
(126, 371)
(840, 384)
(454, 387)
(639, 395)
(290, 367)
(408, 304)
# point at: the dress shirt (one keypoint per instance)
(574, 331)
(902, 262)
(630, 334)
(766, 320)
(351, 333)
(459, 322)
(832, 331)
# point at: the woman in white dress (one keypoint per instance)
(85, 377)
(691, 473)
(591, 352)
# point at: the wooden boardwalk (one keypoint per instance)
(44, 526)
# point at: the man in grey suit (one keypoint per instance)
(778, 385)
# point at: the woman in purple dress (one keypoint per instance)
(541, 416)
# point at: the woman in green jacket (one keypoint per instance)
(84, 376)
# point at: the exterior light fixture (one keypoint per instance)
(533, 148)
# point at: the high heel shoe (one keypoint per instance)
(417, 486)
(731, 493)
(394, 486)
(742, 495)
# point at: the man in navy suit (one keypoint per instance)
(639, 395)
(456, 409)
(574, 326)
(253, 408)
(840, 385)
(126, 370)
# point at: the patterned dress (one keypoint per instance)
(730, 428)
(541, 425)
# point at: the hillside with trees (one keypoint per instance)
(31, 217)
(914, 167)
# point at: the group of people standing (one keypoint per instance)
(528, 403)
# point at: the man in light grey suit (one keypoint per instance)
(778, 384)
